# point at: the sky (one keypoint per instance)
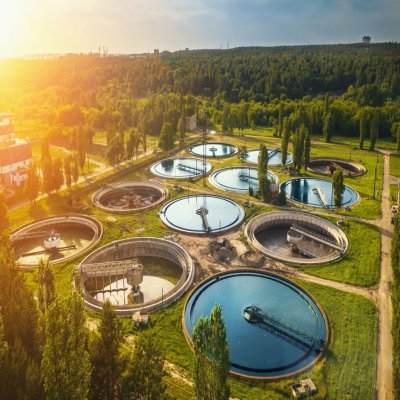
(135, 26)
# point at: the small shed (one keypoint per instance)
(304, 388)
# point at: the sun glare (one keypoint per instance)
(11, 16)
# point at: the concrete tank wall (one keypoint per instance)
(136, 247)
(152, 185)
(77, 220)
(282, 218)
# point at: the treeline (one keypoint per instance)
(48, 352)
(259, 74)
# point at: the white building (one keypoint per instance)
(15, 154)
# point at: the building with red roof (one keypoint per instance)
(15, 154)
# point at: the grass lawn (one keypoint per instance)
(395, 164)
(367, 207)
(353, 323)
(361, 265)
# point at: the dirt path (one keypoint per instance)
(384, 376)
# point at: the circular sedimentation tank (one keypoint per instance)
(135, 274)
(238, 179)
(61, 238)
(128, 197)
(202, 214)
(317, 192)
(327, 166)
(213, 150)
(275, 157)
(296, 237)
(181, 168)
(275, 329)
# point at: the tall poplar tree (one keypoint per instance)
(105, 354)
(262, 169)
(338, 187)
(143, 379)
(374, 129)
(211, 357)
(285, 145)
(307, 150)
(66, 362)
(363, 127)
(32, 184)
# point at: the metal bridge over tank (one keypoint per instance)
(284, 329)
(321, 196)
(273, 152)
(132, 269)
(188, 168)
(317, 237)
(247, 177)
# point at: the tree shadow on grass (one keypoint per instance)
(37, 212)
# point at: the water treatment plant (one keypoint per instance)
(181, 168)
(275, 157)
(61, 239)
(127, 197)
(213, 150)
(317, 192)
(275, 329)
(135, 274)
(202, 214)
(296, 237)
(238, 179)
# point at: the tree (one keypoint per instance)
(211, 357)
(74, 169)
(374, 129)
(106, 358)
(398, 138)
(45, 149)
(225, 118)
(285, 145)
(57, 175)
(363, 127)
(67, 171)
(262, 170)
(328, 127)
(3, 208)
(132, 143)
(338, 187)
(167, 137)
(81, 147)
(281, 200)
(47, 175)
(307, 150)
(143, 379)
(66, 362)
(326, 103)
(20, 330)
(32, 184)
(47, 289)
(181, 129)
(298, 139)
(280, 119)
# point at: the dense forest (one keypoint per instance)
(345, 90)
